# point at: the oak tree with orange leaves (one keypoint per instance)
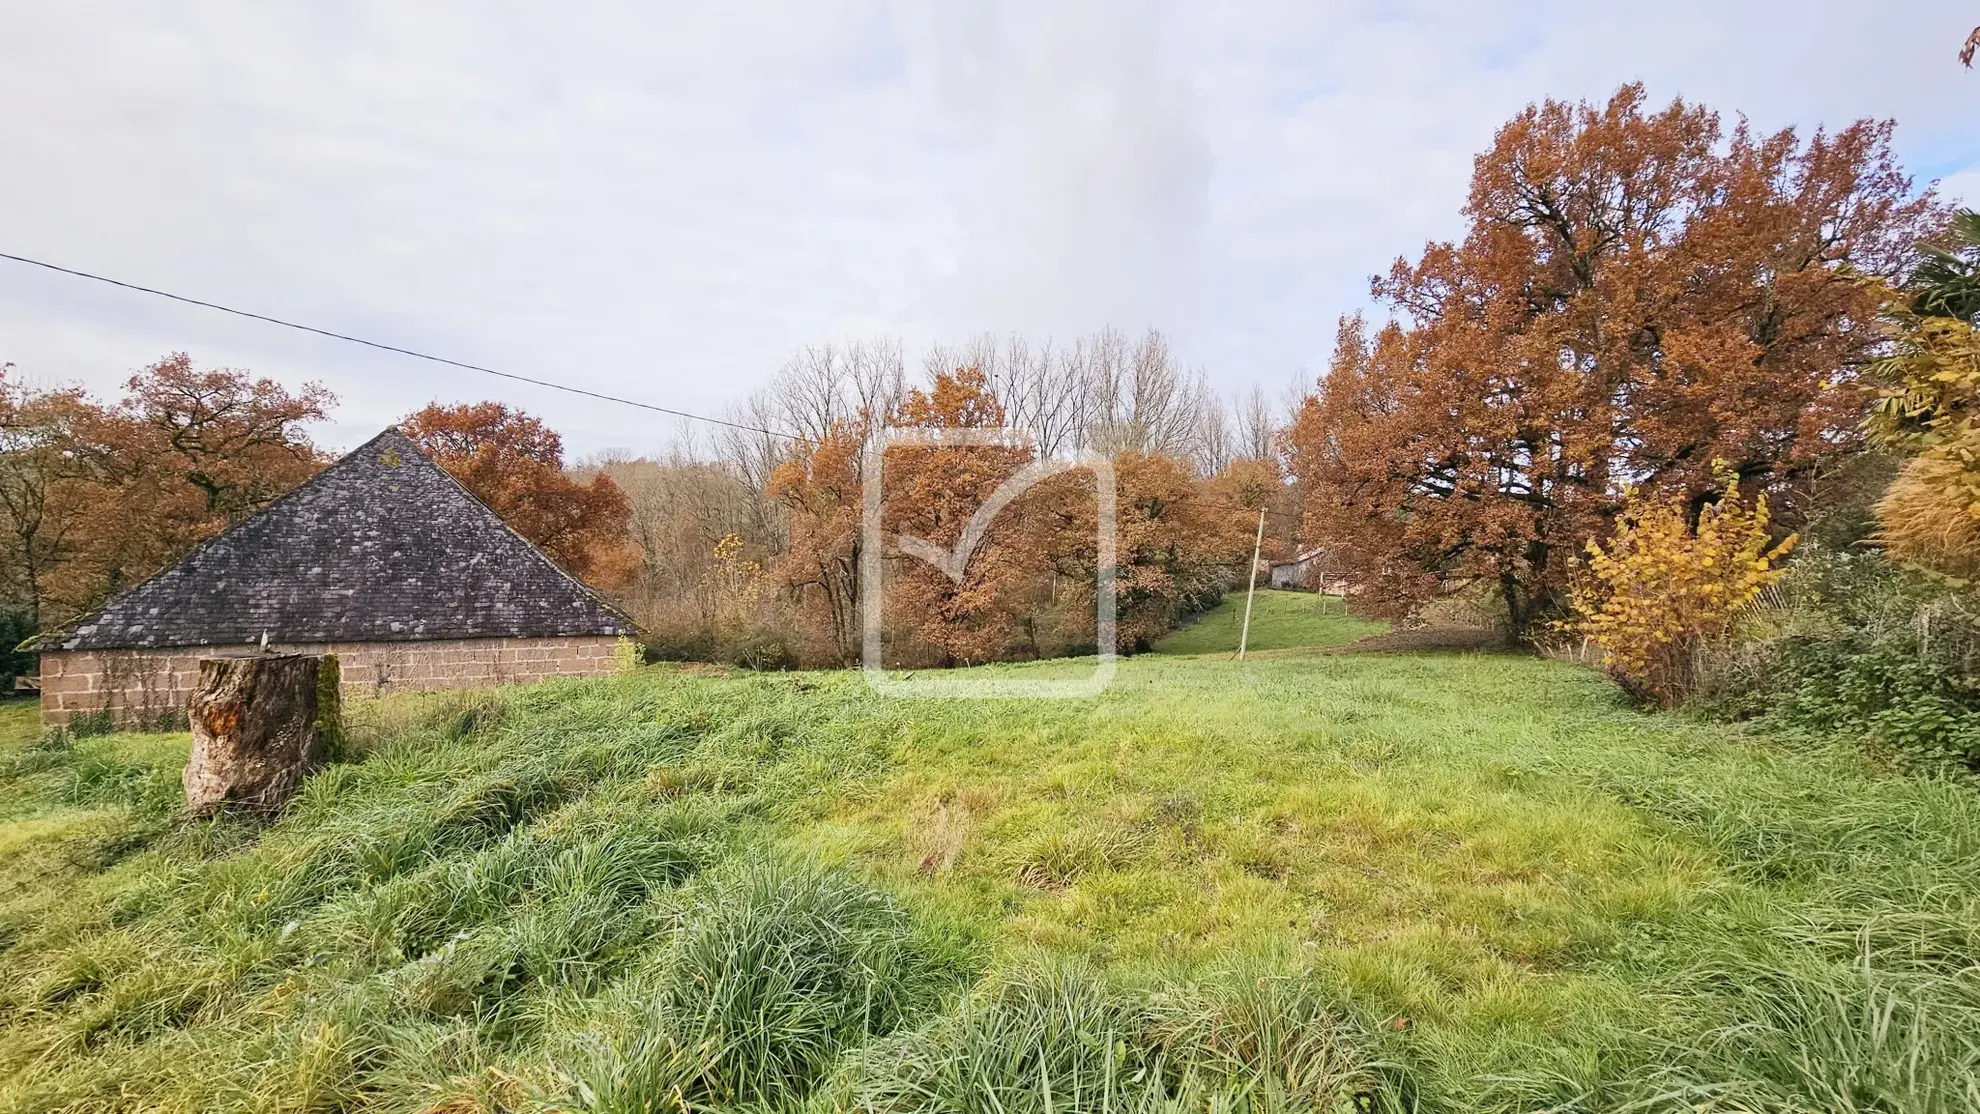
(1027, 588)
(49, 494)
(96, 497)
(818, 488)
(930, 492)
(515, 464)
(1642, 298)
(1179, 539)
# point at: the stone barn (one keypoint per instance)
(1311, 571)
(382, 559)
(1293, 573)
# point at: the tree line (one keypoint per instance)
(744, 547)
(753, 543)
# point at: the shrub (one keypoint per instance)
(15, 628)
(1662, 588)
(1931, 516)
(1855, 644)
(764, 643)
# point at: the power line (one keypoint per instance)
(401, 351)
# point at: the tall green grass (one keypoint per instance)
(1363, 882)
(1048, 1038)
(768, 974)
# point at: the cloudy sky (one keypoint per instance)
(666, 201)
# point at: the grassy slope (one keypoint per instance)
(1569, 902)
(1279, 620)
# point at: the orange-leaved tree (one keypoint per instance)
(98, 497)
(1179, 538)
(1639, 294)
(50, 499)
(515, 464)
(931, 492)
(236, 441)
(818, 488)
(1663, 586)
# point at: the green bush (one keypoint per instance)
(1857, 646)
(753, 647)
(761, 649)
(15, 628)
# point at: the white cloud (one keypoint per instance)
(666, 203)
(1085, 189)
(1962, 188)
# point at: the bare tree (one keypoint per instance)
(1258, 424)
(1144, 400)
(1046, 390)
(753, 444)
(1216, 444)
(1105, 392)
(816, 389)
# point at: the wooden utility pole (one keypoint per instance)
(1257, 544)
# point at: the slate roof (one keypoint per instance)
(382, 546)
(1299, 559)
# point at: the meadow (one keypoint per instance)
(1311, 881)
(1279, 621)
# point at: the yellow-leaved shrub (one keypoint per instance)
(1661, 589)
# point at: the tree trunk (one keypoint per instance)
(260, 723)
(1514, 594)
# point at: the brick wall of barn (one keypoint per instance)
(150, 687)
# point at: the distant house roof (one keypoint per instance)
(382, 546)
(1301, 559)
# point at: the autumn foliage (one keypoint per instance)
(1028, 586)
(1640, 293)
(96, 497)
(1927, 408)
(515, 464)
(1181, 539)
(1663, 587)
(817, 488)
(931, 491)
(1930, 516)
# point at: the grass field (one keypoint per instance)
(1279, 621)
(1311, 881)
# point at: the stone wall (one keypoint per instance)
(150, 687)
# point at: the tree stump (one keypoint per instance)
(260, 724)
